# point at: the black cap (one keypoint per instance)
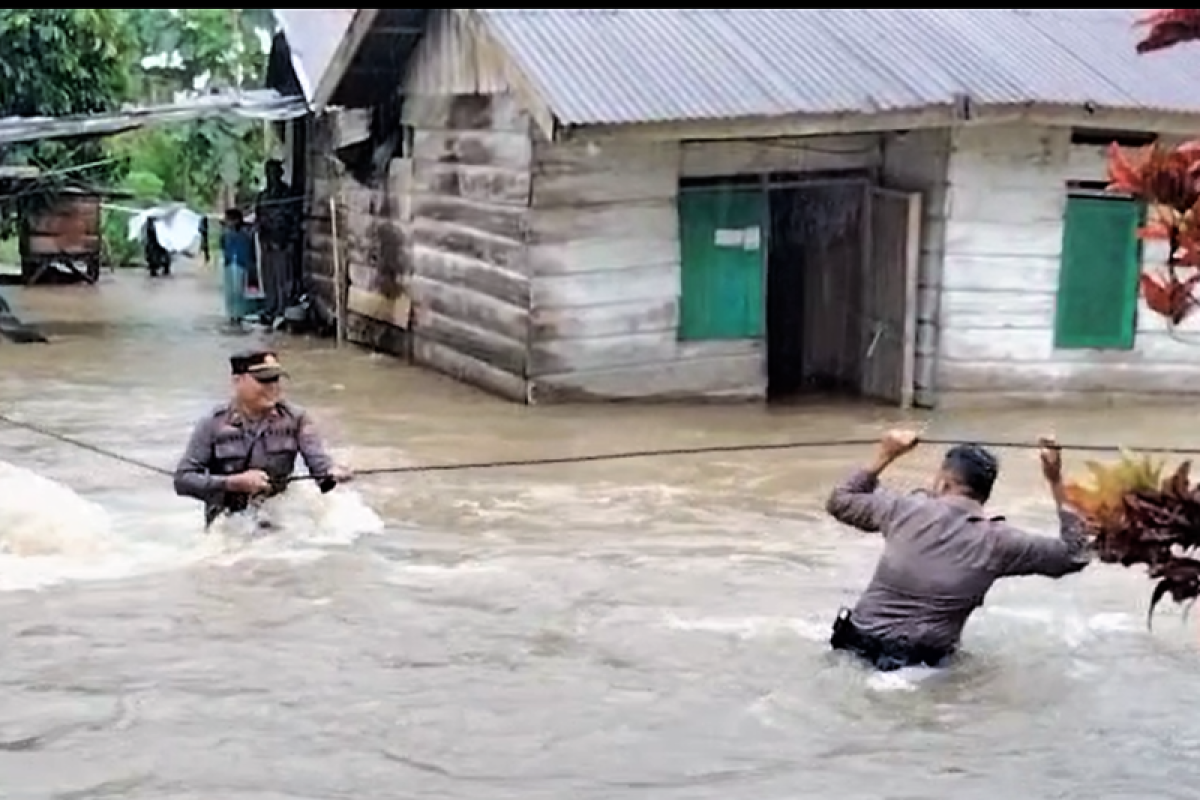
(259, 364)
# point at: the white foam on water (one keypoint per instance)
(908, 679)
(302, 524)
(49, 534)
(1073, 628)
(753, 627)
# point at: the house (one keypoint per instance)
(900, 204)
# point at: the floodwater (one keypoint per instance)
(634, 629)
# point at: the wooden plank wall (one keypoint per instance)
(322, 179)
(1008, 188)
(372, 240)
(470, 199)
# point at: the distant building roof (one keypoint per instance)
(621, 66)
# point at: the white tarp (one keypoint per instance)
(178, 228)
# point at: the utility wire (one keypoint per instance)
(599, 457)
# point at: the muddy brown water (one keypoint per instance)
(639, 629)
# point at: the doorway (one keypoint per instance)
(841, 291)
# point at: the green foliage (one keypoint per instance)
(219, 47)
(59, 61)
(116, 248)
(63, 61)
(144, 185)
(219, 44)
(56, 62)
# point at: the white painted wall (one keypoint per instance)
(1006, 197)
(604, 255)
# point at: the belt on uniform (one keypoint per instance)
(885, 655)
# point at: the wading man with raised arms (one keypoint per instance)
(942, 552)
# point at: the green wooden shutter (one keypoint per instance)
(722, 253)
(1098, 278)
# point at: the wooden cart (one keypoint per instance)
(60, 238)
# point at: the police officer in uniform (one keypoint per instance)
(246, 449)
(942, 551)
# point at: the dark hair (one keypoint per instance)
(234, 215)
(974, 468)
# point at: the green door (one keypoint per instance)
(722, 251)
(1098, 278)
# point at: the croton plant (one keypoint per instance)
(1168, 180)
(1139, 511)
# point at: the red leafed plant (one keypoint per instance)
(1168, 180)
(1169, 27)
(1136, 513)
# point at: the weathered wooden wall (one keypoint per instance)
(321, 183)
(372, 238)
(918, 161)
(470, 197)
(1003, 245)
(604, 261)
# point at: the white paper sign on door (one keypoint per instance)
(752, 238)
(729, 237)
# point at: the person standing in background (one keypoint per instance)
(277, 220)
(205, 253)
(237, 256)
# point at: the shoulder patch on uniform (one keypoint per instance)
(219, 410)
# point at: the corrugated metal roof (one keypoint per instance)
(614, 66)
(262, 104)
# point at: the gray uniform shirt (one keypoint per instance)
(225, 443)
(941, 555)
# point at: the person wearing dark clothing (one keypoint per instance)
(157, 258)
(246, 449)
(205, 252)
(277, 218)
(942, 552)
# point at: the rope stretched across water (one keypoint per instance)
(599, 457)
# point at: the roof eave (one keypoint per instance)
(957, 114)
(347, 48)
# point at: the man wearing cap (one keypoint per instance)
(247, 448)
(942, 552)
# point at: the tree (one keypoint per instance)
(59, 61)
(55, 62)
(187, 50)
(185, 47)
